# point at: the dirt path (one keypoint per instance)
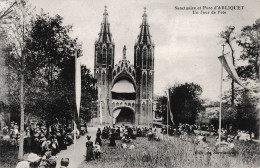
(76, 152)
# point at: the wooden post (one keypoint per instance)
(220, 101)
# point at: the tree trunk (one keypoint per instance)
(21, 143)
(258, 133)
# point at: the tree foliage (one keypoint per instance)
(185, 102)
(247, 113)
(53, 63)
(16, 30)
(162, 108)
(243, 114)
(249, 40)
(88, 95)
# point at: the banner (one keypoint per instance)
(100, 106)
(226, 61)
(77, 83)
(169, 105)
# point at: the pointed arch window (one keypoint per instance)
(144, 85)
(99, 56)
(104, 56)
(109, 57)
(151, 58)
(144, 58)
(138, 57)
(148, 58)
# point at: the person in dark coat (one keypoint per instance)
(98, 137)
(112, 138)
(89, 152)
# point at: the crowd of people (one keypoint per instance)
(188, 128)
(37, 140)
(47, 145)
(127, 134)
(40, 141)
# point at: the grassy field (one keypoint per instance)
(165, 153)
(173, 153)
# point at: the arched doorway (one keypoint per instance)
(124, 115)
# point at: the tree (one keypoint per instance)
(185, 102)
(247, 113)
(53, 52)
(249, 40)
(16, 29)
(5, 11)
(228, 36)
(162, 101)
(88, 95)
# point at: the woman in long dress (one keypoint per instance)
(89, 152)
(98, 137)
(112, 138)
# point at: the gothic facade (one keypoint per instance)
(125, 91)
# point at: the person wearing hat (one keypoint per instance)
(23, 164)
(55, 146)
(132, 146)
(112, 139)
(124, 146)
(231, 145)
(34, 160)
(97, 151)
(89, 152)
(45, 145)
(98, 137)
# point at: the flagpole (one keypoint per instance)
(74, 116)
(220, 102)
(167, 114)
(100, 105)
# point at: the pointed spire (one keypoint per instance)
(124, 53)
(105, 36)
(144, 37)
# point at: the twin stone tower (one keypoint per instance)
(125, 91)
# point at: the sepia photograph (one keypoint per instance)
(129, 84)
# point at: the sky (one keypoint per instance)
(186, 44)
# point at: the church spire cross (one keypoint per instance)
(144, 37)
(144, 15)
(105, 12)
(124, 53)
(105, 36)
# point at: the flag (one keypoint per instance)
(169, 105)
(100, 106)
(108, 108)
(75, 133)
(229, 67)
(77, 83)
